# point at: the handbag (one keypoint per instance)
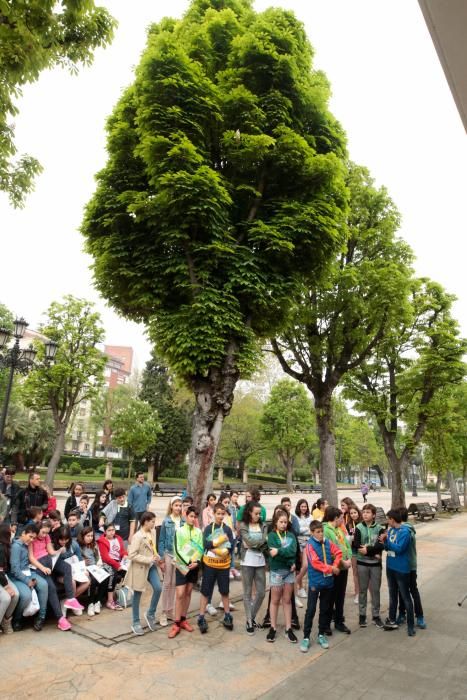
(33, 606)
(124, 596)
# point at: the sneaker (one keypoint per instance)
(257, 625)
(174, 630)
(378, 622)
(342, 628)
(185, 625)
(362, 620)
(421, 623)
(390, 624)
(17, 626)
(91, 611)
(163, 621)
(113, 606)
(73, 605)
(266, 622)
(323, 642)
(302, 593)
(6, 626)
(298, 602)
(211, 610)
(355, 600)
(97, 607)
(38, 624)
(231, 576)
(411, 631)
(202, 624)
(249, 628)
(304, 645)
(401, 620)
(291, 636)
(237, 574)
(295, 624)
(228, 621)
(137, 629)
(271, 635)
(232, 607)
(150, 621)
(63, 624)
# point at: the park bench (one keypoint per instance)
(422, 510)
(239, 488)
(167, 490)
(272, 490)
(450, 505)
(302, 488)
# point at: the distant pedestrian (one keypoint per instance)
(139, 496)
(364, 490)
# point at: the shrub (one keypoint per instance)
(75, 468)
(62, 467)
(89, 471)
(101, 469)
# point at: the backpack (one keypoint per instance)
(124, 596)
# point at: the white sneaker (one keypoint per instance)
(355, 600)
(97, 607)
(221, 606)
(91, 611)
(298, 602)
(231, 576)
(211, 610)
(163, 620)
(302, 593)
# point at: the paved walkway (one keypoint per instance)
(102, 659)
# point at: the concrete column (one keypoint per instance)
(150, 474)
(108, 470)
(245, 475)
(220, 475)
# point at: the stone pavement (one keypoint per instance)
(103, 659)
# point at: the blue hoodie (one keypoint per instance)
(397, 546)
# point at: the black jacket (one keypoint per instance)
(25, 499)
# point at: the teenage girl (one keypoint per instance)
(9, 595)
(112, 551)
(207, 516)
(72, 502)
(302, 511)
(65, 547)
(171, 523)
(282, 556)
(91, 556)
(355, 518)
(346, 504)
(254, 549)
(95, 511)
(318, 509)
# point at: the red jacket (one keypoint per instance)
(104, 548)
(51, 505)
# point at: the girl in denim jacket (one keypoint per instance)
(171, 523)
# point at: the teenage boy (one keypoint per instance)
(286, 504)
(121, 514)
(25, 580)
(322, 558)
(74, 524)
(368, 549)
(10, 489)
(218, 542)
(397, 544)
(333, 531)
(413, 587)
(139, 496)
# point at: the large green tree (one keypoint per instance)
(399, 383)
(76, 373)
(134, 429)
(223, 191)
(36, 35)
(172, 442)
(338, 321)
(104, 406)
(242, 436)
(288, 423)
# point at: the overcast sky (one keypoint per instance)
(389, 92)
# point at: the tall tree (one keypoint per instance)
(104, 406)
(134, 429)
(288, 423)
(36, 35)
(77, 372)
(172, 442)
(242, 434)
(399, 383)
(223, 191)
(338, 321)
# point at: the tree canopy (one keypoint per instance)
(36, 35)
(134, 428)
(223, 190)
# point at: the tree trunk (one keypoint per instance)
(57, 453)
(453, 487)
(214, 397)
(327, 449)
(398, 467)
(464, 483)
(130, 465)
(288, 465)
(438, 489)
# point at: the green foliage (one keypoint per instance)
(36, 35)
(134, 428)
(75, 469)
(242, 434)
(104, 406)
(288, 422)
(223, 187)
(89, 471)
(172, 442)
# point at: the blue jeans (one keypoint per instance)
(154, 580)
(24, 591)
(398, 582)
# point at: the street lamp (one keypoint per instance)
(414, 480)
(18, 360)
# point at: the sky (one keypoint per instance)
(389, 92)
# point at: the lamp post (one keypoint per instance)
(18, 359)
(414, 480)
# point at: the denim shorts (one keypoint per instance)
(278, 578)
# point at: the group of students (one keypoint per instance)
(322, 544)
